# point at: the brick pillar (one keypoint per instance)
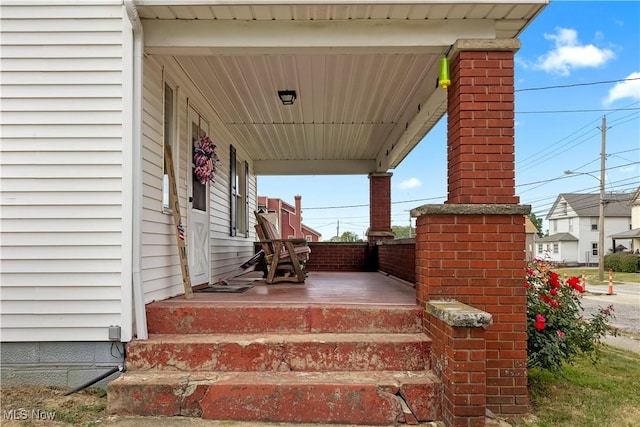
(380, 207)
(480, 136)
(472, 248)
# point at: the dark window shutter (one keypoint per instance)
(246, 198)
(233, 189)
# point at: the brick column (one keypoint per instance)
(480, 136)
(472, 248)
(379, 207)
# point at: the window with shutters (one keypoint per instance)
(168, 138)
(239, 200)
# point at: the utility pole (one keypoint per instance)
(338, 231)
(603, 156)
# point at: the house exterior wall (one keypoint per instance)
(287, 218)
(635, 214)
(581, 251)
(65, 226)
(63, 230)
(310, 235)
(160, 269)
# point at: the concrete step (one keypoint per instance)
(189, 317)
(279, 352)
(368, 397)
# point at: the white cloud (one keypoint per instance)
(628, 169)
(569, 54)
(410, 183)
(626, 89)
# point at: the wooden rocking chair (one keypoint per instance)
(284, 258)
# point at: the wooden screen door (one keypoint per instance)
(198, 234)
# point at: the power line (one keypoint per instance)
(596, 110)
(576, 84)
(589, 132)
(367, 205)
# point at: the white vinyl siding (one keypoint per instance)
(160, 265)
(61, 171)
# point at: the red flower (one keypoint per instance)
(560, 334)
(553, 279)
(553, 303)
(540, 322)
(574, 282)
(553, 292)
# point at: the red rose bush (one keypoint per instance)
(557, 330)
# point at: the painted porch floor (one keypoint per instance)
(320, 287)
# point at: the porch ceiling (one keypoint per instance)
(365, 72)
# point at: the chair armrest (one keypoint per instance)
(294, 241)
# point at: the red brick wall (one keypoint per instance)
(479, 260)
(337, 256)
(398, 258)
(480, 128)
(458, 358)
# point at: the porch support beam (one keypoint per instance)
(208, 37)
(313, 167)
(379, 207)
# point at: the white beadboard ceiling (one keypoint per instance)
(365, 72)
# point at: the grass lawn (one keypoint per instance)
(592, 275)
(604, 395)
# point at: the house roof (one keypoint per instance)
(558, 237)
(616, 204)
(365, 72)
(306, 227)
(635, 199)
(629, 234)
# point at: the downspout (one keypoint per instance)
(138, 49)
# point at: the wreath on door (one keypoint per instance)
(205, 160)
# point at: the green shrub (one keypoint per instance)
(622, 263)
(557, 332)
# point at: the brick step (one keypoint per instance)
(374, 398)
(276, 352)
(189, 317)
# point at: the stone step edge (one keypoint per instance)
(187, 317)
(337, 377)
(279, 338)
(201, 394)
(181, 303)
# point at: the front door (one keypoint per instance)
(198, 233)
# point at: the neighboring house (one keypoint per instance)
(634, 233)
(532, 237)
(288, 218)
(573, 227)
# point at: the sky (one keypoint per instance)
(579, 61)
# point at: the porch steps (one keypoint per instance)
(291, 363)
(171, 317)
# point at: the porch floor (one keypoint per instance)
(320, 287)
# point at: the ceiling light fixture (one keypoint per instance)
(287, 97)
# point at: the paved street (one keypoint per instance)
(626, 306)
